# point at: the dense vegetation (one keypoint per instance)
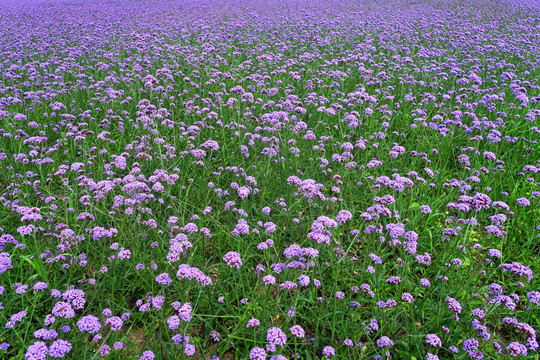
(269, 179)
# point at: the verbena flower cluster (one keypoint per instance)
(269, 179)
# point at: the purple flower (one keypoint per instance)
(89, 323)
(304, 280)
(534, 297)
(470, 344)
(453, 305)
(243, 191)
(185, 312)
(5, 262)
(115, 323)
(40, 286)
(348, 342)
(494, 253)
(479, 313)
(384, 342)
(276, 336)
(425, 209)
(173, 322)
(253, 323)
(523, 201)
(37, 351)
(329, 351)
(407, 297)
(519, 269)
(189, 349)
(177, 339)
(104, 350)
(120, 162)
(257, 353)
(15, 318)
(516, 349)
(45, 334)
(63, 309)
(233, 259)
(343, 216)
(147, 355)
(433, 340)
(124, 254)
(241, 228)
(163, 279)
(297, 331)
(269, 279)
(424, 259)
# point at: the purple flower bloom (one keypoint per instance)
(189, 349)
(40, 286)
(534, 297)
(519, 269)
(407, 297)
(104, 350)
(516, 349)
(433, 340)
(147, 355)
(269, 279)
(523, 201)
(304, 280)
(173, 322)
(384, 342)
(233, 259)
(63, 309)
(298, 331)
(479, 313)
(329, 351)
(37, 351)
(343, 216)
(276, 336)
(45, 334)
(89, 323)
(453, 305)
(177, 339)
(257, 353)
(470, 344)
(115, 323)
(185, 312)
(163, 279)
(425, 209)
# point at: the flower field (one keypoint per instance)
(269, 179)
